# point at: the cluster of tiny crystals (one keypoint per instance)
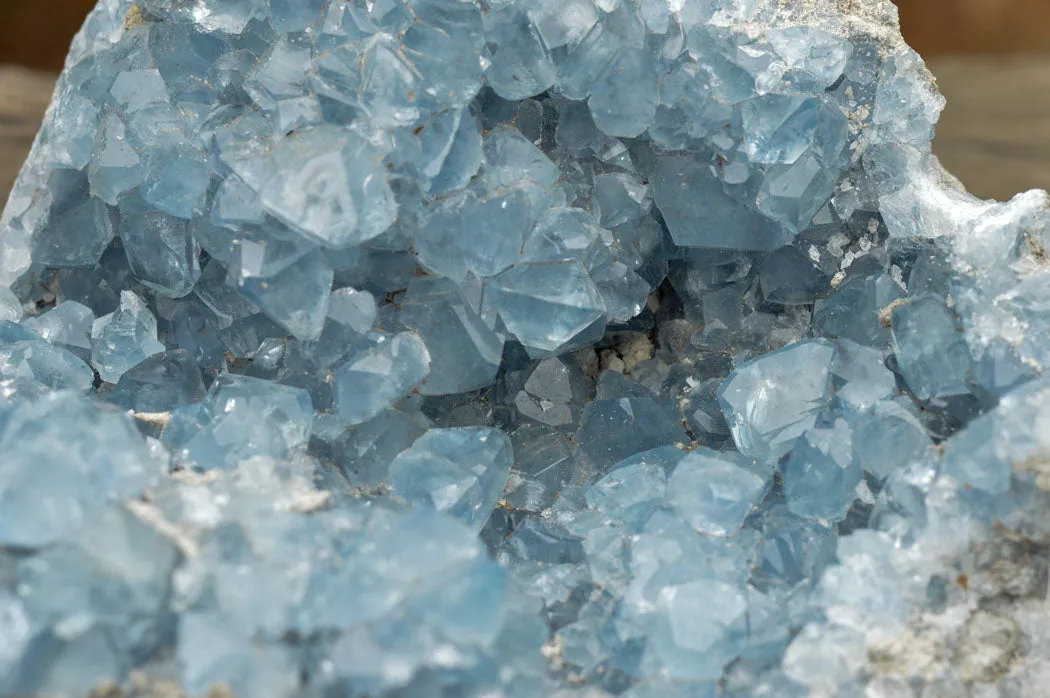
(516, 349)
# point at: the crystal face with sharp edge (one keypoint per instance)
(513, 349)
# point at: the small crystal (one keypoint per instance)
(123, 339)
(460, 471)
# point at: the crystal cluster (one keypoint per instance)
(516, 348)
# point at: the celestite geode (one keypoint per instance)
(514, 349)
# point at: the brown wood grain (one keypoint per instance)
(36, 33)
(994, 135)
(976, 26)
(995, 132)
(24, 96)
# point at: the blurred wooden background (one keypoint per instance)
(992, 59)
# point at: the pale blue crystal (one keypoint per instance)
(294, 15)
(224, 302)
(364, 452)
(44, 364)
(984, 457)
(889, 437)
(10, 307)
(290, 283)
(933, 357)
(519, 64)
(123, 339)
(176, 181)
(435, 423)
(474, 232)
(769, 402)
(375, 379)
(790, 277)
(464, 352)
(699, 213)
(161, 250)
(195, 330)
(116, 166)
(236, 203)
(793, 550)
(561, 23)
(67, 324)
(241, 418)
(161, 383)
(452, 150)
(353, 309)
(543, 466)
(77, 228)
(552, 394)
(623, 99)
(821, 474)
(331, 187)
(112, 463)
(715, 492)
(635, 486)
(546, 305)
(612, 430)
(459, 471)
(701, 626)
(778, 129)
(852, 311)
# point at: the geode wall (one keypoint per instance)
(504, 348)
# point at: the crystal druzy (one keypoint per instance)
(516, 348)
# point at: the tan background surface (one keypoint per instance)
(987, 54)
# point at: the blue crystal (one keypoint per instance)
(635, 485)
(117, 167)
(241, 418)
(112, 463)
(44, 364)
(364, 452)
(519, 65)
(460, 471)
(934, 359)
(161, 250)
(332, 188)
(177, 181)
(78, 226)
(701, 626)
(161, 383)
(612, 430)
(464, 352)
(290, 283)
(699, 213)
(552, 394)
(715, 492)
(123, 339)
(546, 305)
(544, 466)
(68, 324)
(623, 99)
(793, 549)
(771, 401)
(821, 475)
(393, 398)
(852, 311)
(375, 379)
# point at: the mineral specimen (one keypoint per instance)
(516, 348)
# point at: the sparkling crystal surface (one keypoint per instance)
(514, 349)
